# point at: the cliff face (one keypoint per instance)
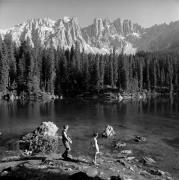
(45, 32)
(100, 37)
(106, 34)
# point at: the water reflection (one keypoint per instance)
(22, 116)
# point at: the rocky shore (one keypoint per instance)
(120, 164)
(53, 166)
(118, 96)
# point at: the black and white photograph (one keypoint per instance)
(89, 89)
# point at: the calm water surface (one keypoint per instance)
(158, 120)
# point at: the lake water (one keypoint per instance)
(156, 119)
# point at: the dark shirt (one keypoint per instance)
(65, 139)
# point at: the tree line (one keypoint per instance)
(27, 69)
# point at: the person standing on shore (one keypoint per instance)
(95, 147)
(66, 142)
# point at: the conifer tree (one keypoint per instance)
(4, 68)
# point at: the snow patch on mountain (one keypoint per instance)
(137, 35)
(3, 31)
(66, 19)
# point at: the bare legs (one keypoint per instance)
(65, 155)
(95, 157)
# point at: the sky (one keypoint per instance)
(143, 12)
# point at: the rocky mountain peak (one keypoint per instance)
(118, 25)
(127, 27)
(99, 37)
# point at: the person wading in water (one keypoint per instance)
(66, 142)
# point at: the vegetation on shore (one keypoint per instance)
(27, 71)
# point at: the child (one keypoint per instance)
(66, 142)
(95, 146)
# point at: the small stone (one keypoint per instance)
(132, 169)
(130, 158)
(145, 173)
(126, 152)
(147, 161)
(169, 178)
(120, 145)
(139, 139)
(121, 161)
(92, 172)
(42, 166)
(156, 172)
(69, 169)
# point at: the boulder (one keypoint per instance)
(47, 129)
(43, 139)
(108, 132)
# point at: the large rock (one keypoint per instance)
(108, 132)
(47, 129)
(43, 139)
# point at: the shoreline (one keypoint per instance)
(120, 162)
(103, 96)
(53, 166)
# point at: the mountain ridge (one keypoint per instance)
(102, 36)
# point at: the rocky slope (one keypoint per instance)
(46, 32)
(100, 37)
(106, 35)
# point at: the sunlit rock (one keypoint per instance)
(47, 128)
(108, 132)
(43, 139)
